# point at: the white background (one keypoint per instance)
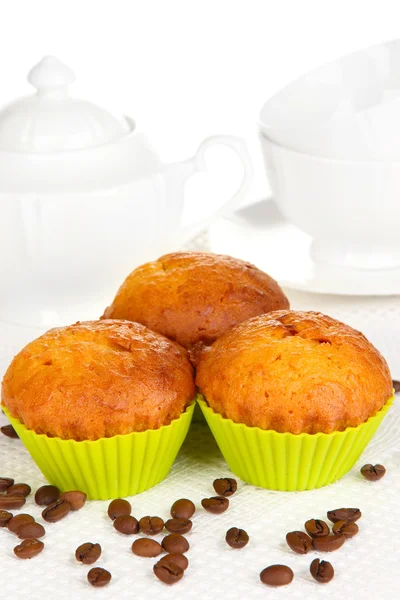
(185, 69)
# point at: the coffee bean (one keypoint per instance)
(236, 538)
(373, 472)
(225, 486)
(98, 577)
(19, 489)
(119, 507)
(88, 553)
(299, 542)
(75, 498)
(126, 524)
(344, 514)
(5, 518)
(30, 531)
(277, 575)
(28, 548)
(11, 502)
(151, 525)
(396, 386)
(47, 494)
(5, 483)
(346, 528)
(56, 511)
(168, 572)
(178, 525)
(316, 528)
(183, 509)
(177, 559)
(9, 431)
(146, 548)
(215, 505)
(322, 570)
(174, 543)
(329, 543)
(19, 520)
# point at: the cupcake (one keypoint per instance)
(102, 406)
(293, 398)
(193, 297)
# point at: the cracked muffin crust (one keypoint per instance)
(298, 372)
(98, 379)
(195, 297)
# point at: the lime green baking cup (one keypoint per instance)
(119, 466)
(289, 462)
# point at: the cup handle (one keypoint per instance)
(197, 164)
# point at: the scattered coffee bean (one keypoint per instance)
(168, 572)
(236, 538)
(215, 505)
(119, 507)
(151, 525)
(396, 386)
(126, 524)
(146, 548)
(174, 543)
(75, 498)
(329, 543)
(316, 528)
(177, 559)
(47, 494)
(30, 531)
(373, 472)
(344, 514)
(183, 509)
(12, 502)
(346, 528)
(5, 483)
(322, 570)
(19, 489)
(88, 553)
(98, 577)
(5, 517)
(225, 486)
(56, 511)
(178, 525)
(9, 431)
(28, 548)
(277, 575)
(299, 542)
(19, 520)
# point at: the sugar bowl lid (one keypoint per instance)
(51, 120)
(52, 142)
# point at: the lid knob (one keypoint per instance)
(51, 77)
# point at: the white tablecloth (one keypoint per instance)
(366, 567)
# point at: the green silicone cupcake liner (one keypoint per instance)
(285, 461)
(113, 467)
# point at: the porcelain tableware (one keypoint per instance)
(84, 199)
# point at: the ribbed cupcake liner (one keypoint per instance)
(113, 467)
(289, 462)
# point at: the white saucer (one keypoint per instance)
(260, 234)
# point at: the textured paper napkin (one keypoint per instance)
(365, 566)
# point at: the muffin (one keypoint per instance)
(102, 404)
(294, 386)
(195, 297)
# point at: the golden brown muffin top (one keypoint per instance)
(195, 296)
(296, 372)
(98, 379)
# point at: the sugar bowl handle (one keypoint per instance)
(197, 164)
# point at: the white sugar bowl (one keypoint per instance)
(84, 199)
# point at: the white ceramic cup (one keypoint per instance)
(350, 208)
